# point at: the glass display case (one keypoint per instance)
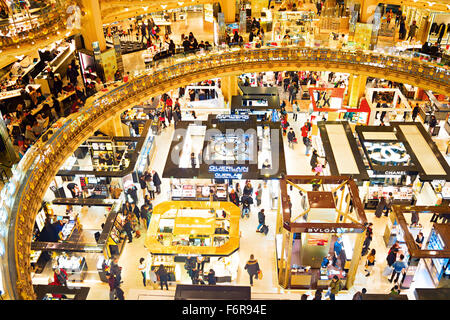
(437, 266)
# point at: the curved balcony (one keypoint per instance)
(32, 26)
(23, 195)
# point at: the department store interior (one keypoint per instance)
(272, 148)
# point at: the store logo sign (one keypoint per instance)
(320, 230)
(395, 173)
(228, 169)
(232, 117)
(228, 172)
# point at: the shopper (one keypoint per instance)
(392, 254)
(380, 207)
(60, 277)
(128, 229)
(245, 207)
(395, 290)
(146, 214)
(114, 288)
(304, 297)
(366, 244)
(261, 220)
(211, 277)
(193, 274)
(318, 294)
(252, 268)
(238, 190)
(337, 250)
(234, 197)
(142, 268)
(258, 195)
(116, 270)
(402, 28)
(142, 184)
(399, 267)
(389, 201)
(248, 189)
(295, 111)
(415, 112)
(163, 276)
(432, 124)
(370, 262)
(153, 278)
(412, 31)
(132, 192)
(335, 287)
(150, 187)
(201, 263)
(136, 212)
(156, 181)
(419, 240)
(291, 137)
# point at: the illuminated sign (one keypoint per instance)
(227, 175)
(331, 230)
(232, 117)
(227, 172)
(230, 169)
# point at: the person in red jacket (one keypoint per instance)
(60, 277)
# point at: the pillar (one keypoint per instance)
(367, 9)
(229, 9)
(356, 89)
(91, 24)
(229, 87)
(355, 259)
(113, 127)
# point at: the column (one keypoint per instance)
(229, 87)
(91, 24)
(355, 259)
(229, 9)
(356, 88)
(367, 9)
(113, 127)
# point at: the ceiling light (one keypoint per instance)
(145, 8)
(126, 9)
(180, 3)
(433, 253)
(164, 6)
(431, 3)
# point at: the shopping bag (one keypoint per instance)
(328, 292)
(260, 275)
(387, 271)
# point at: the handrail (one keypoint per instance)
(42, 160)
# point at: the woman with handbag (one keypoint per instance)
(370, 262)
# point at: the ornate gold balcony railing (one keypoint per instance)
(23, 195)
(31, 27)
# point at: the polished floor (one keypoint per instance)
(263, 247)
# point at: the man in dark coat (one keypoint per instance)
(261, 220)
(156, 181)
(72, 75)
(252, 268)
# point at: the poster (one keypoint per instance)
(326, 99)
(242, 21)
(222, 27)
(209, 12)
(109, 64)
(118, 50)
(363, 36)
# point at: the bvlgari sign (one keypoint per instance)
(331, 230)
